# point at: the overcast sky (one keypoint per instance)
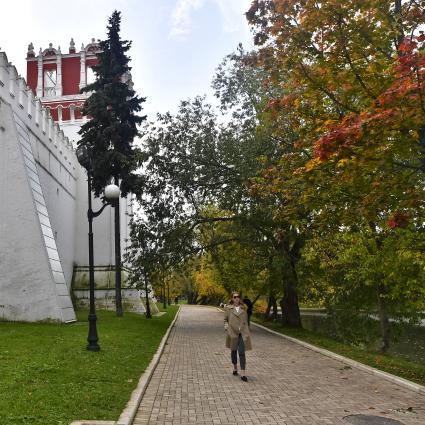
(177, 44)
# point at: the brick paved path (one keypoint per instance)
(288, 384)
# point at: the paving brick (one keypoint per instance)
(288, 384)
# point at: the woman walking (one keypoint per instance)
(238, 338)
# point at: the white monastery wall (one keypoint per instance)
(61, 206)
(71, 129)
(103, 227)
(43, 210)
(29, 282)
(32, 282)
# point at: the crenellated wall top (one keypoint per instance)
(14, 91)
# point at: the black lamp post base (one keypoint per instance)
(92, 337)
(93, 347)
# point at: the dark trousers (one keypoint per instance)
(241, 349)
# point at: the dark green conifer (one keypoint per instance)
(112, 109)
(109, 134)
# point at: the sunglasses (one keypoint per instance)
(236, 296)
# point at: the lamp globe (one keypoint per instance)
(112, 191)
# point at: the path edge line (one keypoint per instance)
(128, 414)
(368, 369)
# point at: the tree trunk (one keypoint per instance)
(290, 310)
(164, 304)
(274, 313)
(256, 299)
(291, 315)
(269, 307)
(192, 298)
(168, 293)
(384, 321)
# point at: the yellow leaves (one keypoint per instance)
(299, 171)
(342, 162)
(205, 279)
(326, 125)
(312, 164)
(329, 122)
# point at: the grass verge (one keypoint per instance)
(47, 377)
(386, 362)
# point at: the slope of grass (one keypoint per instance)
(47, 377)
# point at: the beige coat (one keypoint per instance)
(237, 324)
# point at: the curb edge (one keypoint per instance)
(129, 412)
(368, 369)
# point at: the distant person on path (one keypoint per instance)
(249, 306)
(176, 300)
(238, 338)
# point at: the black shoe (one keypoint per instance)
(235, 372)
(244, 378)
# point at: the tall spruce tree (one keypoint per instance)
(109, 134)
(112, 108)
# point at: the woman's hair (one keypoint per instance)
(240, 298)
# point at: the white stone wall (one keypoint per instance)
(103, 227)
(71, 129)
(61, 206)
(32, 283)
(27, 265)
(134, 299)
(55, 159)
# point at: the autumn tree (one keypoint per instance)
(352, 88)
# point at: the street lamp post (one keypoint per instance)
(118, 299)
(112, 193)
(164, 299)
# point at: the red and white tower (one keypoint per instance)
(57, 78)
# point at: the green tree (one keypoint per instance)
(109, 134)
(193, 160)
(352, 89)
(352, 275)
(112, 108)
(239, 264)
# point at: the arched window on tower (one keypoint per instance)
(50, 83)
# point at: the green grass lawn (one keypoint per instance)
(47, 377)
(389, 362)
